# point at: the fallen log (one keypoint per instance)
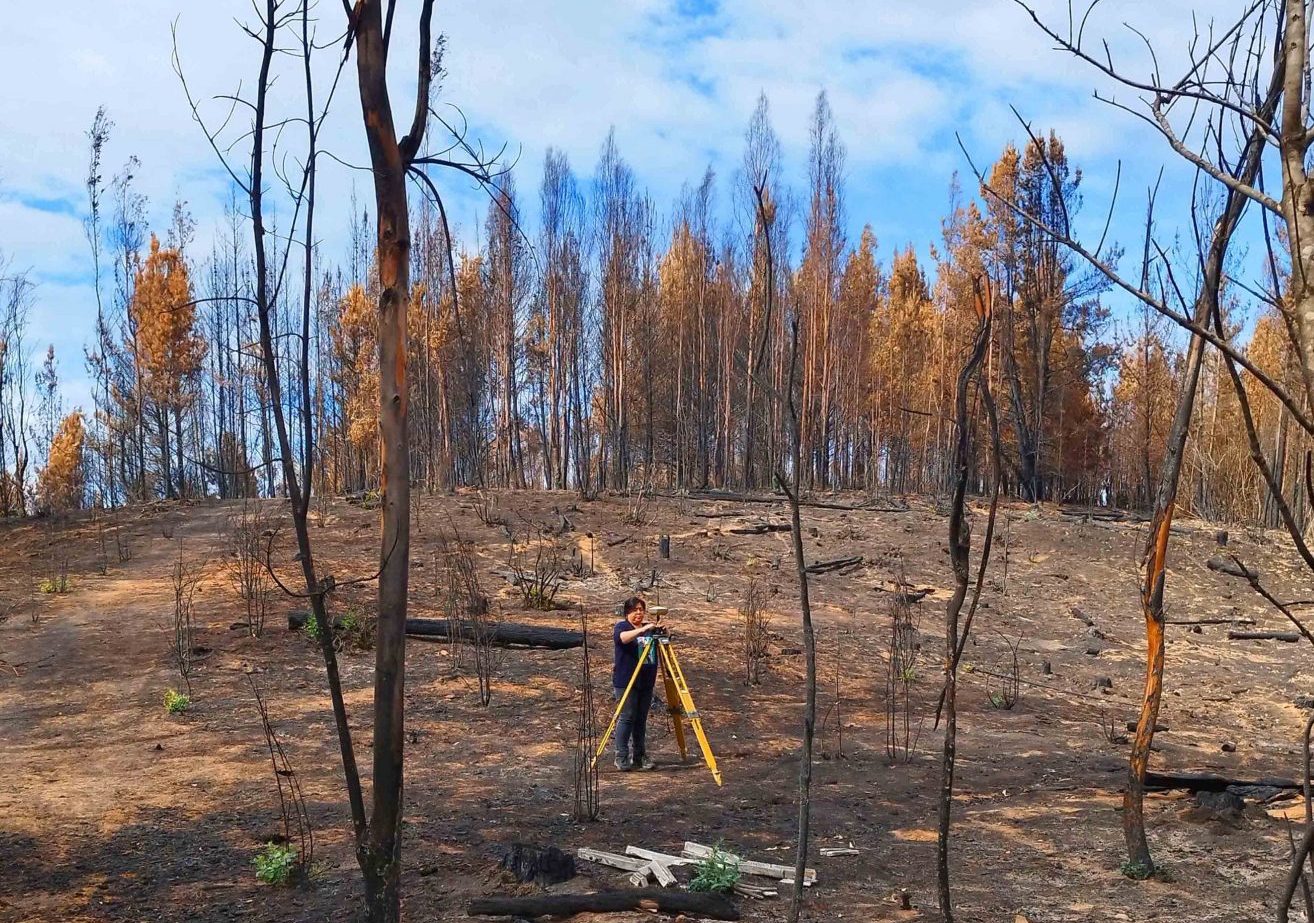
(730, 497)
(1102, 515)
(502, 634)
(1238, 620)
(1210, 782)
(904, 592)
(840, 564)
(1231, 567)
(1291, 637)
(701, 904)
(758, 528)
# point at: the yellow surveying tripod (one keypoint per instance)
(679, 702)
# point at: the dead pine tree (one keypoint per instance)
(960, 543)
(790, 484)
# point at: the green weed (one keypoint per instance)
(715, 873)
(276, 864)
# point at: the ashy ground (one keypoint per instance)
(110, 809)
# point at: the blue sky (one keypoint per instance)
(678, 80)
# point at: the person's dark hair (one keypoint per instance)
(634, 602)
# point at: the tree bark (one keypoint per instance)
(380, 854)
(1156, 550)
(960, 543)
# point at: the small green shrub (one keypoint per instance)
(175, 702)
(715, 873)
(1136, 871)
(276, 864)
(311, 628)
(54, 585)
(353, 630)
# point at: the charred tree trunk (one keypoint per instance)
(960, 544)
(1139, 861)
(380, 854)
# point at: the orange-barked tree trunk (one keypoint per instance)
(1139, 862)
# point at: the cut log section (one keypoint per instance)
(502, 634)
(1291, 637)
(715, 906)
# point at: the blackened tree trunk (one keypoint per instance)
(380, 854)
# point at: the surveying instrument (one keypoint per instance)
(679, 701)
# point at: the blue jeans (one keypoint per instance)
(632, 726)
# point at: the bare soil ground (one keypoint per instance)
(112, 810)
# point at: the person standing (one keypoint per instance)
(629, 638)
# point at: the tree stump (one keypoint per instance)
(544, 865)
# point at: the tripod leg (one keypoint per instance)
(691, 712)
(673, 703)
(615, 716)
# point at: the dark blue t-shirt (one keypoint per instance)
(627, 658)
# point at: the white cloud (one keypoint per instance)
(903, 77)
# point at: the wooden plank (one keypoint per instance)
(640, 878)
(830, 852)
(624, 863)
(748, 866)
(660, 863)
(664, 858)
(754, 892)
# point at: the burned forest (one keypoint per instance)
(695, 459)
